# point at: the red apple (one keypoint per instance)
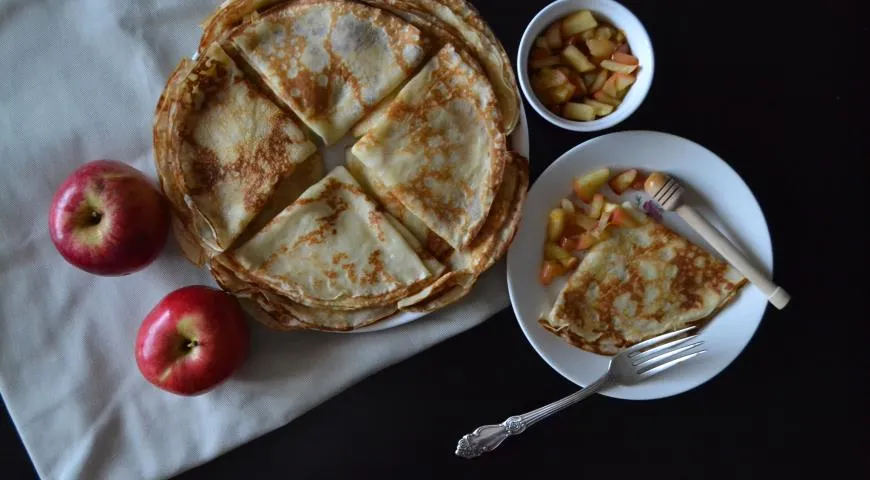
(107, 219)
(194, 339)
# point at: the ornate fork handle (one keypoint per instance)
(488, 437)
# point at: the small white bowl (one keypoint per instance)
(615, 14)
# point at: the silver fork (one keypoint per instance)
(630, 366)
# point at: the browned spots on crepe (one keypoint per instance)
(258, 166)
(375, 272)
(684, 287)
(339, 257)
(331, 195)
(350, 271)
(375, 219)
(376, 268)
(443, 208)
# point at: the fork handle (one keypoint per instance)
(775, 294)
(488, 437)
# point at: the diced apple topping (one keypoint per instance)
(589, 80)
(587, 241)
(549, 271)
(601, 109)
(556, 253)
(621, 218)
(609, 87)
(623, 181)
(605, 32)
(638, 182)
(575, 79)
(578, 111)
(572, 227)
(624, 58)
(561, 94)
(600, 48)
(622, 81)
(578, 22)
(554, 36)
(592, 56)
(548, 78)
(587, 185)
(543, 62)
(605, 98)
(538, 53)
(555, 224)
(570, 243)
(600, 80)
(595, 207)
(620, 38)
(617, 67)
(584, 221)
(574, 57)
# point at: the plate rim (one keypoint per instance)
(563, 158)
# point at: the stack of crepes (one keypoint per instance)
(430, 197)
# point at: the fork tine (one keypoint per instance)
(668, 191)
(652, 341)
(661, 368)
(666, 355)
(641, 356)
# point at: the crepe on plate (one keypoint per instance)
(459, 23)
(333, 248)
(279, 312)
(640, 283)
(467, 264)
(224, 147)
(439, 148)
(448, 21)
(330, 61)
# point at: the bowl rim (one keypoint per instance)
(619, 114)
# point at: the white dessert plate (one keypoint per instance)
(713, 187)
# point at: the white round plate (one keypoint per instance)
(519, 142)
(722, 197)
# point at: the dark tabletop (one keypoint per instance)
(774, 89)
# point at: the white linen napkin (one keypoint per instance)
(80, 81)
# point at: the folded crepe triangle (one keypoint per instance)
(333, 248)
(330, 61)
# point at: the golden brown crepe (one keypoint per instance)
(490, 244)
(333, 248)
(223, 148)
(455, 21)
(439, 149)
(448, 21)
(640, 283)
(330, 61)
(278, 312)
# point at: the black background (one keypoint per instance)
(776, 90)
